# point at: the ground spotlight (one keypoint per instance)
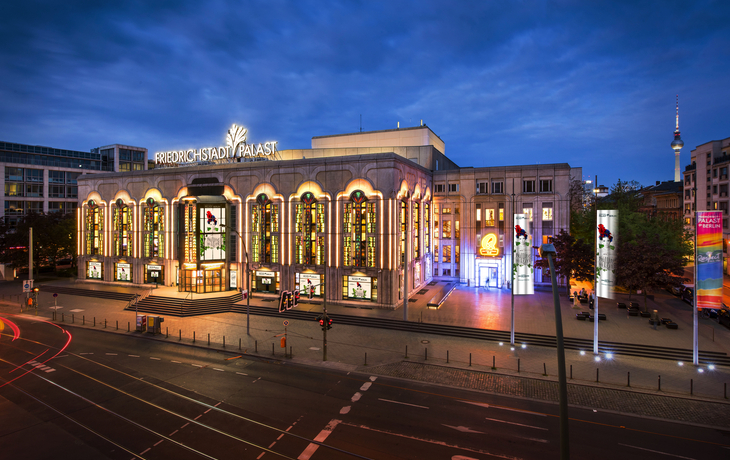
(582, 352)
(609, 355)
(681, 363)
(597, 358)
(700, 370)
(524, 345)
(512, 348)
(500, 344)
(711, 367)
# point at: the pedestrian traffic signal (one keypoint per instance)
(296, 297)
(329, 323)
(311, 291)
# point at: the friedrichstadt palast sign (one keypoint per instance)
(236, 147)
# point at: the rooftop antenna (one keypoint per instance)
(360, 122)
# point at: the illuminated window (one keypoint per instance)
(212, 225)
(426, 228)
(447, 254)
(154, 229)
(403, 225)
(265, 235)
(489, 217)
(547, 214)
(446, 231)
(416, 229)
(310, 231)
(359, 231)
(94, 229)
(121, 228)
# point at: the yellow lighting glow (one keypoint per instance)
(489, 245)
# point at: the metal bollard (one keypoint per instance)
(83, 320)
(571, 372)
(72, 318)
(94, 321)
(469, 359)
(127, 326)
(494, 362)
(272, 350)
(61, 317)
(105, 324)
(117, 324)
(239, 343)
(518, 365)
(426, 350)
(596, 375)
(193, 336)
(256, 346)
(447, 356)
(180, 335)
(224, 341)
(628, 379)
(291, 353)
(659, 383)
(406, 351)
(208, 338)
(366, 358)
(544, 368)
(167, 332)
(691, 387)
(726, 391)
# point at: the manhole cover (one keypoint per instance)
(424, 341)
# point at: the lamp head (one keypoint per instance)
(546, 249)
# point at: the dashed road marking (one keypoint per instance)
(198, 365)
(176, 362)
(404, 403)
(111, 354)
(134, 356)
(156, 359)
(516, 424)
(312, 447)
(241, 373)
(219, 370)
(656, 451)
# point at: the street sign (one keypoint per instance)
(55, 295)
(27, 285)
(286, 322)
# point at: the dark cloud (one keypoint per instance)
(589, 83)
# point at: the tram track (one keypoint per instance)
(131, 406)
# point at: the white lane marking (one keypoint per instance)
(197, 365)
(463, 429)
(365, 386)
(345, 410)
(314, 348)
(461, 457)
(157, 443)
(474, 403)
(206, 411)
(241, 373)
(134, 356)
(51, 370)
(111, 354)
(656, 451)
(219, 370)
(373, 378)
(312, 447)
(145, 451)
(534, 439)
(516, 424)
(356, 397)
(432, 441)
(185, 425)
(280, 436)
(176, 362)
(198, 417)
(86, 353)
(405, 404)
(172, 433)
(260, 455)
(272, 444)
(156, 359)
(76, 310)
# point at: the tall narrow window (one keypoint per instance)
(309, 228)
(403, 226)
(359, 224)
(265, 237)
(416, 229)
(154, 229)
(94, 229)
(426, 228)
(191, 231)
(122, 228)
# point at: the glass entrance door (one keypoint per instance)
(202, 280)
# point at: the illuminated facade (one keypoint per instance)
(344, 217)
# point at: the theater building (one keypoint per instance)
(354, 217)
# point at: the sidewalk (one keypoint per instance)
(384, 352)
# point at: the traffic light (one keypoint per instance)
(296, 297)
(329, 323)
(311, 291)
(284, 301)
(321, 321)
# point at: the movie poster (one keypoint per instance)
(709, 259)
(522, 266)
(606, 251)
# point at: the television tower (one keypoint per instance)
(677, 145)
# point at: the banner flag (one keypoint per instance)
(606, 245)
(522, 266)
(709, 259)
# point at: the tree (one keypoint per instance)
(53, 239)
(573, 258)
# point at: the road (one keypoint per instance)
(85, 394)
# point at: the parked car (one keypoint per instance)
(675, 290)
(723, 317)
(688, 294)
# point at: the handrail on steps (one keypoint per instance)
(182, 304)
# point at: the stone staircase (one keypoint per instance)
(174, 306)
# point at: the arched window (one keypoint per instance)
(359, 222)
(94, 229)
(416, 229)
(265, 230)
(403, 219)
(309, 228)
(426, 228)
(154, 229)
(121, 228)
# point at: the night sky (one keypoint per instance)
(589, 83)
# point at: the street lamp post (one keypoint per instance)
(246, 277)
(512, 266)
(549, 251)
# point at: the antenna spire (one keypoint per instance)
(677, 128)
